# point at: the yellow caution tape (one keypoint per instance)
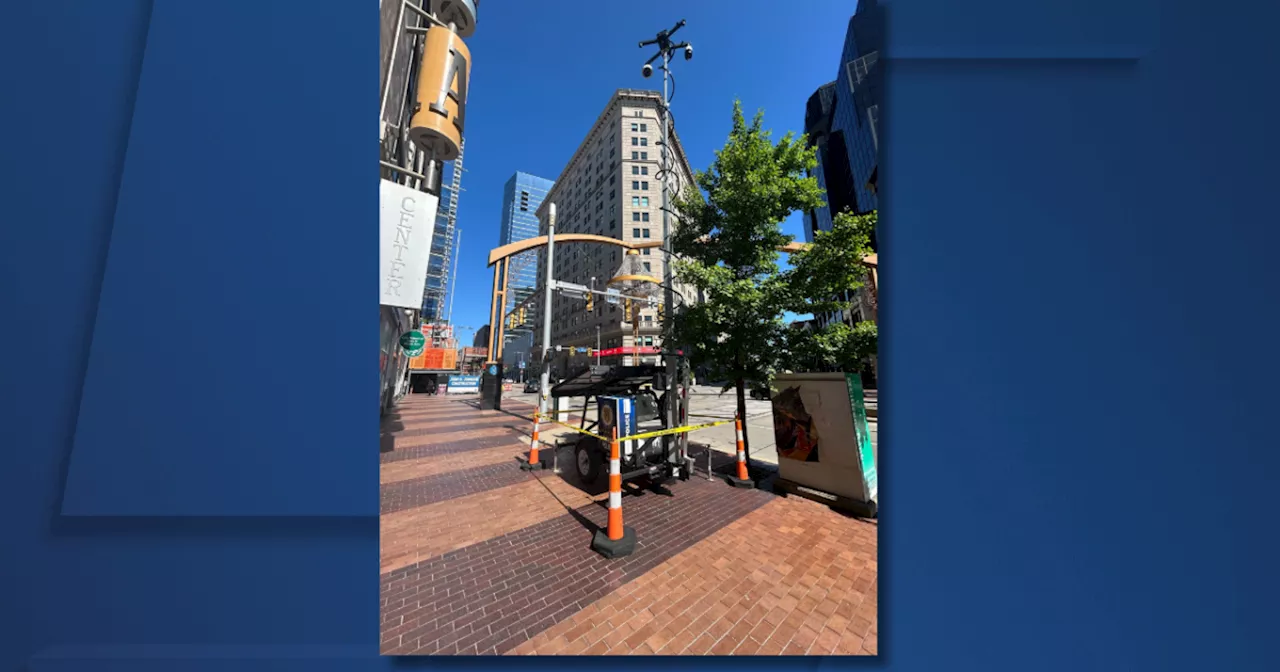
(674, 430)
(551, 415)
(580, 430)
(646, 435)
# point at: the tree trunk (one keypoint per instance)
(742, 414)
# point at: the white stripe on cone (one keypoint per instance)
(615, 500)
(615, 467)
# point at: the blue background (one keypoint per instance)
(1079, 355)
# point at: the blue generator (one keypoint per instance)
(619, 412)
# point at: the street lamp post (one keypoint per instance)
(665, 48)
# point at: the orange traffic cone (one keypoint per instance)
(616, 540)
(535, 462)
(741, 479)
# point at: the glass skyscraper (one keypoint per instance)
(521, 197)
(842, 120)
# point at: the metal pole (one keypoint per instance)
(391, 68)
(597, 345)
(453, 285)
(545, 387)
(668, 299)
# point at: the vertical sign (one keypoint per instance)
(405, 224)
(437, 126)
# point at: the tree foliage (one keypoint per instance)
(727, 246)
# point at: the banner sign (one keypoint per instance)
(405, 225)
(464, 384)
(644, 350)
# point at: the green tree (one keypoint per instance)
(820, 277)
(727, 245)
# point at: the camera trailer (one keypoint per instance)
(629, 399)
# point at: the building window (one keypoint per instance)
(859, 68)
(613, 210)
(646, 233)
(644, 186)
(635, 201)
(646, 264)
(648, 318)
(635, 141)
(645, 252)
(635, 170)
(635, 216)
(635, 233)
(635, 156)
(644, 216)
(644, 156)
(644, 201)
(635, 127)
(635, 184)
(644, 142)
(644, 128)
(644, 170)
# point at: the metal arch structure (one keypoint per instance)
(500, 258)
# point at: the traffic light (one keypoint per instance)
(627, 307)
(521, 315)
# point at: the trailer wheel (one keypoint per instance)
(589, 458)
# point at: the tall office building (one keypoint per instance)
(817, 127)
(521, 197)
(842, 119)
(611, 187)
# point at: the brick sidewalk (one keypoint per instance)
(480, 557)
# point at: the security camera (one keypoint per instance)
(647, 70)
(688, 52)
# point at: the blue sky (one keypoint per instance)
(543, 71)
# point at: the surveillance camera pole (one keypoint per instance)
(665, 49)
(544, 388)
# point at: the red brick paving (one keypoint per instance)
(786, 577)
(438, 488)
(512, 587)
(404, 470)
(460, 446)
(475, 565)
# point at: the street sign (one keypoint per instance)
(413, 342)
(612, 296)
(522, 365)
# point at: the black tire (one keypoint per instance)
(588, 460)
